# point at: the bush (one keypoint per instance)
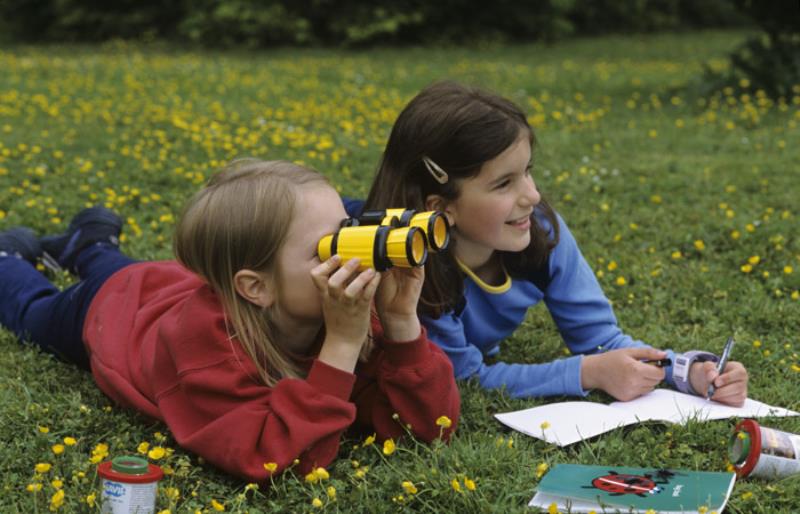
(770, 61)
(260, 23)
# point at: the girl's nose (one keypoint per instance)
(530, 194)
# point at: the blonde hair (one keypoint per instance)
(240, 220)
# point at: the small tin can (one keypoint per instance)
(763, 452)
(129, 485)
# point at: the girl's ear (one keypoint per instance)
(438, 203)
(255, 287)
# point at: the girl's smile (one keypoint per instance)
(523, 223)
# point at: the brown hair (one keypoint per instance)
(240, 220)
(459, 128)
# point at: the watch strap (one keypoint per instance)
(683, 363)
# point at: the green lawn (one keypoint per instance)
(685, 207)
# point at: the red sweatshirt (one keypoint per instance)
(157, 342)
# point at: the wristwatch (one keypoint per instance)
(683, 363)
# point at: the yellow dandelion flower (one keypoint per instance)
(795, 295)
(552, 508)
(788, 270)
(219, 507)
(409, 487)
(58, 449)
(746, 268)
(44, 430)
(369, 440)
(676, 255)
(756, 343)
(57, 500)
(43, 467)
(750, 227)
(322, 473)
(317, 503)
(612, 265)
(57, 484)
(389, 447)
(173, 493)
(70, 441)
(157, 453)
(34, 488)
(620, 281)
(656, 199)
(311, 478)
(754, 259)
(545, 425)
(444, 422)
(270, 467)
(331, 492)
(650, 511)
(455, 485)
(699, 245)
(143, 447)
(469, 484)
(541, 469)
(735, 234)
(165, 511)
(90, 499)
(747, 495)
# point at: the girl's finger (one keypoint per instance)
(339, 280)
(355, 287)
(324, 269)
(652, 374)
(372, 287)
(321, 273)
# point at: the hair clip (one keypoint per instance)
(436, 172)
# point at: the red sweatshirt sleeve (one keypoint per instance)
(412, 379)
(224, 415)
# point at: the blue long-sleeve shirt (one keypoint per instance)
(576, 302)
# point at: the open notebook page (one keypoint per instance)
(676, 407)
(569, 422)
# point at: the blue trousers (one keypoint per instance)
(37, 311)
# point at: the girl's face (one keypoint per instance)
(318, 212)
(494, 207)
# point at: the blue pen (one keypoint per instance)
(723, 360)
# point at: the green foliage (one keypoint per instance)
(260, 23)
(640, 169)
(770, 61)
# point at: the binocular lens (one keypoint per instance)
(436, 228)
(405, 247)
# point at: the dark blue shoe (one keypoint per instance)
(88, 227)
(20, 242)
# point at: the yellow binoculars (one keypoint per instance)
(386, 238)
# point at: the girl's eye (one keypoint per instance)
(502, 184)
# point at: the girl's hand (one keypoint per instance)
(731, 385)
(396, 303)
(346, 300)
(621, 373)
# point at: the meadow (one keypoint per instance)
(685, 206)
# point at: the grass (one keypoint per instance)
(685, 207)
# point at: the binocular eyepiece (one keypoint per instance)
(385, 238)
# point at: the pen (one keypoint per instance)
(661, 363)
(723, 360)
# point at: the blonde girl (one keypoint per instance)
(252, 351)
